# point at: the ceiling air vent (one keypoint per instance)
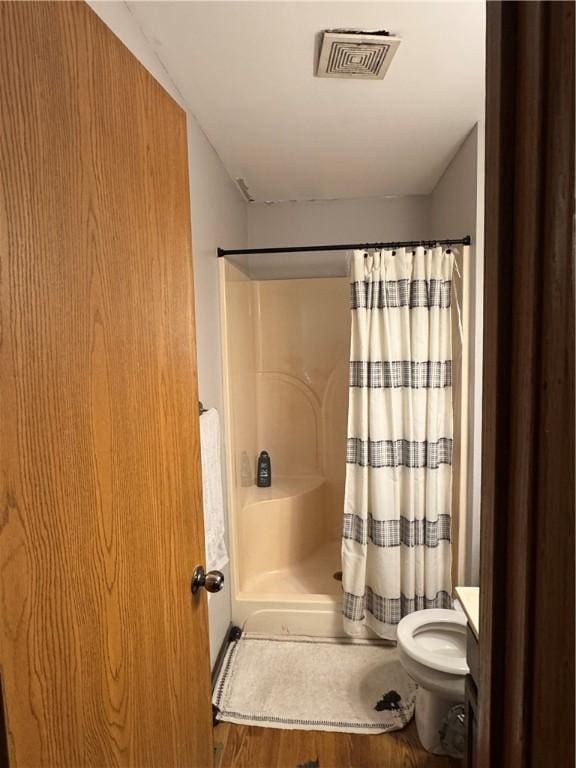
(361, 55)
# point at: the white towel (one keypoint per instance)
(214, 525)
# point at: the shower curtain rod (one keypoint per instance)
(344, 246)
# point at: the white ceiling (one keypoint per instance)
(245, 69)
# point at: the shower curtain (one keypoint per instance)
(396, 553)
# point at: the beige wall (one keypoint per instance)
(218, 219)
(303, 338)
(319, 222)
(457, 208)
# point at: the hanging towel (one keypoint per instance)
(214, 526)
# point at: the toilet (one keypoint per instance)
(432, 650)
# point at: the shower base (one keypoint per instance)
(303, 598)
(312, 576)
(285, 579)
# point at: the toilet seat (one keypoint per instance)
(435, 638)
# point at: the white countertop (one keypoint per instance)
(469, 598)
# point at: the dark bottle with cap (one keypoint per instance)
(264, 474)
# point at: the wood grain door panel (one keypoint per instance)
(104, 654)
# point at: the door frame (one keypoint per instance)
(526, 686)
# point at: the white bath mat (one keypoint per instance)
(314, 684)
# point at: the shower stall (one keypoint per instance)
(286, 350)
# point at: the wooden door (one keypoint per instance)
(104, 654)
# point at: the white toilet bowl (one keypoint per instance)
(432, 650)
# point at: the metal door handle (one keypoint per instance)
(213, 581)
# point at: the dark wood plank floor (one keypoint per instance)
(244, 746)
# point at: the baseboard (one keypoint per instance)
(232, 633)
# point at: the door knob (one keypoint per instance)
(213, 581)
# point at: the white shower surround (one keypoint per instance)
(285, 539)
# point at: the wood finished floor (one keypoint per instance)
(245, 746)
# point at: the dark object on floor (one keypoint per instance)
(390, 700)
(235, 633)
(311, 764)
(453, 732)
(337, 576)
(248, 746)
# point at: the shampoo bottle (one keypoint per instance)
(264, 475)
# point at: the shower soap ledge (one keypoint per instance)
(283, 487)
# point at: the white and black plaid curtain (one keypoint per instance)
(396, 554)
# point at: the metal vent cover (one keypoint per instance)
(359, 55)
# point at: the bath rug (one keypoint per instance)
(314, 684)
